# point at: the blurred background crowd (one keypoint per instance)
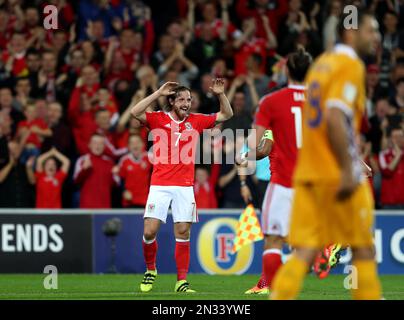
(67, 138)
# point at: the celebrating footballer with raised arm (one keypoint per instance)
(175, 133)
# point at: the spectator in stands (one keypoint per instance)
(222, 27)
(263, 8)
(179, 63)
(93, 54)
(37, 130)
(103, 122)
(204, 188)
(14, 57)
(128, 125)
(6, 106)
(135, 171)
(373, 89)
(23, 93)
(80, 112)
(180, 31)
(398, 100)
(61, 137)
(392, 40)
(209, 102)
(49, 82)
(105, 101)
(166, 48)
(249, 44)
(378, 124)
(205, 48)
(392, 168)
(256, 83)
(15, 189)
(107, 11)
(228, 181)
(33, 62)
(242, 117)
(48, 178)
(330, 26)
(93, 172)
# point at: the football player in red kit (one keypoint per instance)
(175, 133)
(281, 112)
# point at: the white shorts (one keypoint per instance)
(181, 200)
(276, 210)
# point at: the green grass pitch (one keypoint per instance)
(95, 287)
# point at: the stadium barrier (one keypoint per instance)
(74, 242)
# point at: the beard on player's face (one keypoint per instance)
(181, 109)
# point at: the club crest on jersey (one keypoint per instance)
(188, 126)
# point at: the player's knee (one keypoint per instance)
(149, 234)
(274, 242)
(182, 232)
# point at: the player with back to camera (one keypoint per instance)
(333, 201)
(175, 136)
(279, 113)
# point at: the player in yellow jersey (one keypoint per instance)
(333, 201)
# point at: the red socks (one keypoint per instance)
(182, 255)
(150, 253)
(272, 261)
(262, 282)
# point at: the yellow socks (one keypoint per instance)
(289, 279)
(368, 281)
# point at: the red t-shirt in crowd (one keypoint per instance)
(136, 174)
(205, 197)
(49, 190)
(174, 146)
(96, 182)
(20, 68)
(216, 26)
(256, 45)
(33, 138)
(281, 112)
(82, 122)
(121, 139)
(392, 181)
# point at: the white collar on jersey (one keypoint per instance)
(176, 121)
(345, 49)
(297, 86)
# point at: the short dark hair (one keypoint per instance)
(391, 12)
(399, 80)
(393, 128)
(362, 14)
(298, 63)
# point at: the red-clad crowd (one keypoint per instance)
(67, 138)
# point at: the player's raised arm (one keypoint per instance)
(139, 109)
(226, 112)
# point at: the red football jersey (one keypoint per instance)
(33, 138)
(49, 190)
(136, 173)
(174, 146)
(256, 45)
(281, 112)
(392, 181)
